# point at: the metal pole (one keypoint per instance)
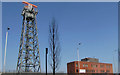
(46, 59)
(5, 49)
(118, 52)
(5, 52)
(114, 62)
(78, 58)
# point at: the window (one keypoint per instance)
(85, 65)
(76, 65)
(92, 65)
(102, 71)
(107, 66)
(88, 71)
(102, 66)
(107, 71)
(93, 70)
(96, 65)
(77, 70)
(97, 71)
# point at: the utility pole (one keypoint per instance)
(114, 61)
(5, 49)
(118, 71)
(78, 57)
(119, 37)
(46, 59)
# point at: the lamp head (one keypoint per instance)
(8, 28)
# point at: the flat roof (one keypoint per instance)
(89, 62)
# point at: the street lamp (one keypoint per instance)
(78, 57)
(5, 49)
(114, 60)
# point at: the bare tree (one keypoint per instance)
(54, 47)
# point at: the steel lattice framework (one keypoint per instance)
(29, 58)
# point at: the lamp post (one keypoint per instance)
(46, 59)
(78, 57)
(118, 68)
(5, 49)
(114, 61)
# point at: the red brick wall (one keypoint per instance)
(70, 67)
(92, 67)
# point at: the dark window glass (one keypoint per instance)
(93, 65)
(107, 71)
(93, 70)
(76, 70)
(102, 71)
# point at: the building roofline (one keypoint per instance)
(89, 62)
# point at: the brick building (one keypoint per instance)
(89, 65)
